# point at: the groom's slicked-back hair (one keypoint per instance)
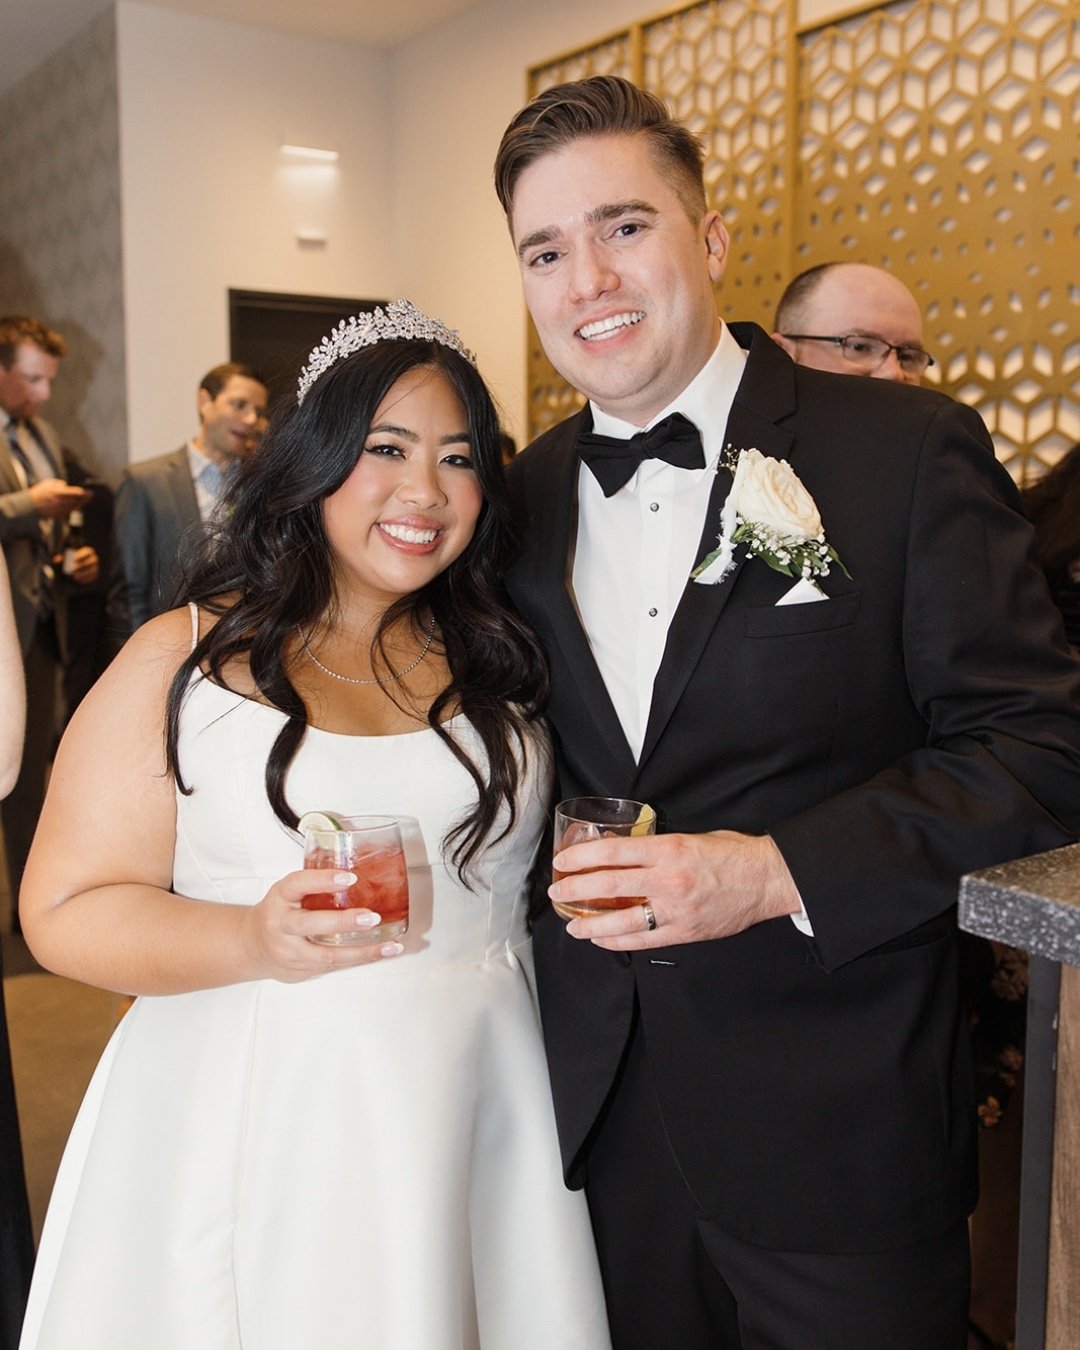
(603, 105)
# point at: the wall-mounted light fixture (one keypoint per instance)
(311, 153)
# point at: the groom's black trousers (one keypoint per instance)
(675, 1281)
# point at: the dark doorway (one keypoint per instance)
(275, 333)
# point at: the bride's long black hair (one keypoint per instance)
(268, 570)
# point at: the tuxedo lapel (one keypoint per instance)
(553, 482)
(765, 397)
(691, 626)
(765, 394)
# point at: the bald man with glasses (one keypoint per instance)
(853, 319)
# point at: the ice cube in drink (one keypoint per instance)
(376, 856)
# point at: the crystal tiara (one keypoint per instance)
(399, 319)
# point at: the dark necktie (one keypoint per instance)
(18, 451)
(614, 462)
(48, 538)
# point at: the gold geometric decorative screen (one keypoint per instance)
(940, 141)
(933, 137)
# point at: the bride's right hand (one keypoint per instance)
(279, 931)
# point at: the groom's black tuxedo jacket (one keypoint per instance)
(920, 722)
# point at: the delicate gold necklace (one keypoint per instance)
(378, 679)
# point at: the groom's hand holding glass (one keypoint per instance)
(579, 819)
(697, 887)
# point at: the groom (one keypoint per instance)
(759, 1075)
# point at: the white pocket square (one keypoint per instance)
(802, 593)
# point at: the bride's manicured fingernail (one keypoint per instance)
(366, 918)
(391, 949)
(344, 878)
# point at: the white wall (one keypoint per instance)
(409, 211)
(209, 203)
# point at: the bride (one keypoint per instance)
(289, 1143)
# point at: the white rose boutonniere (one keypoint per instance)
(770, 511)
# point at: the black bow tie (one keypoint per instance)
(614, 462)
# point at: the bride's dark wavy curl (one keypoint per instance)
(267, 570)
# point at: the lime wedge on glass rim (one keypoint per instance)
(317, 820)
(644, 820)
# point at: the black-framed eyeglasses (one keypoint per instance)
(869, 352)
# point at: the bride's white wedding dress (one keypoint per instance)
(363, 1161)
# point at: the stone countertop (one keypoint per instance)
(1033, 903)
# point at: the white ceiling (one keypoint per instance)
(31, 29)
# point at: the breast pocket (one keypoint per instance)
(790, 620)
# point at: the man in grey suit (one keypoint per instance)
(35, 503)
(163, 504)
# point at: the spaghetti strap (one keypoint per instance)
(193, 610)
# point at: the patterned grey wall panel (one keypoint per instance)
(60, 232)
